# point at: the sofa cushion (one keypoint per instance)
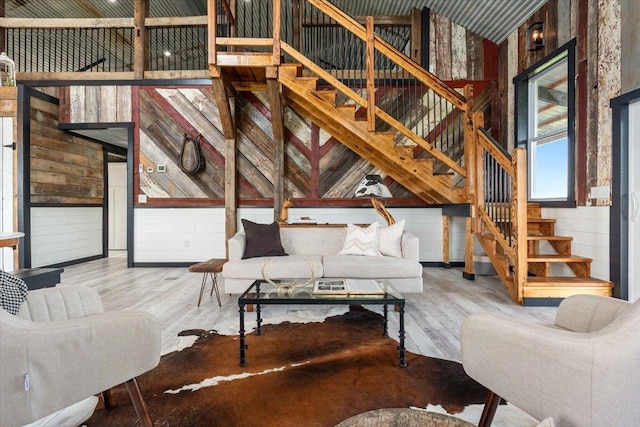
(262, 240)
(290, 267)
(370, 267)
(390, 239)
(361, 240)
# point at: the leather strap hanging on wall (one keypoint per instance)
(191, 160)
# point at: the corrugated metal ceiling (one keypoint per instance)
(492, 19)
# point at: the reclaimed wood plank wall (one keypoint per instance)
(64, 169)
(95, 104)
(458, 54)
(597, 29)
(317, 166)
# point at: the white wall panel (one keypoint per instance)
(60, 234)
(6, 188)
(589, 227)
(178, 234)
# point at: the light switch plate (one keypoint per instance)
(149, 169)
(602, 192)
(142, 198)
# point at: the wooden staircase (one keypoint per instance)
(546, 252)
(379, 148)
(520, 243)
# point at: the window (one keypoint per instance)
(544, 126)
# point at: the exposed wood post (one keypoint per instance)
(296, 15)
(478, 159)
(230, 199)
(468, 249)
(212, 24)
(224, 109)
(141, 41)
(277, 6)
(371, 91)
(445, 242)
(469, 145)
(277, 121)
(416, 35)
(519, 192)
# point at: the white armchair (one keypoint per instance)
(582, 371)
(62, 348)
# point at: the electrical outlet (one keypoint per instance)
(142, 198)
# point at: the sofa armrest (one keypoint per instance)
(542, 370)
(69, 360)
(588, 313)
(60, 303)
(236, 246)
(410, 247)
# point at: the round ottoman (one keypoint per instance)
(403, 417)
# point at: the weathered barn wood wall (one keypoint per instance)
(596, 25)
(317, 166)
(64, 169)
(95, 104)
(458, 54)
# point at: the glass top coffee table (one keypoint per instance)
(264, 293)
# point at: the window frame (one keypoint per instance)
(523, 114)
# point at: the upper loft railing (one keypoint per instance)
(112, 48)
(173, 47)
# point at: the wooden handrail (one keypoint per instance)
(392, 53)
(326, 76)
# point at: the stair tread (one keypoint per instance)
(557, 258)
(567, 281)
(543, 237)
(541, 220)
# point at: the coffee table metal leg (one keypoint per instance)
(243, 347)
(258, 320)
(403, 360)
(385, 332)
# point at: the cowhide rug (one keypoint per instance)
(297, 374)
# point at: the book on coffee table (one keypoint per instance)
(347, 287)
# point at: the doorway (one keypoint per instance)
(117, 188)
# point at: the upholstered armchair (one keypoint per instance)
(61, 348)
(582, 371)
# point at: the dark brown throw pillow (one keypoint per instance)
(262, 240)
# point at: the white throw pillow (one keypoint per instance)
(390, 239)
(361, 240)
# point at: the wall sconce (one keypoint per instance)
(535, 36)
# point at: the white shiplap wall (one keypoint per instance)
(6, 189)
(589, 227)
(60, 234)
(178, 234)
(196, 234)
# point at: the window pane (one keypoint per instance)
(549, 163)
(551, 101)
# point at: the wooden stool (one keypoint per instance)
(210, 268)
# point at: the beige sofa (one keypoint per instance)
(320, 246)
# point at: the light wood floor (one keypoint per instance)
(432, 319)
